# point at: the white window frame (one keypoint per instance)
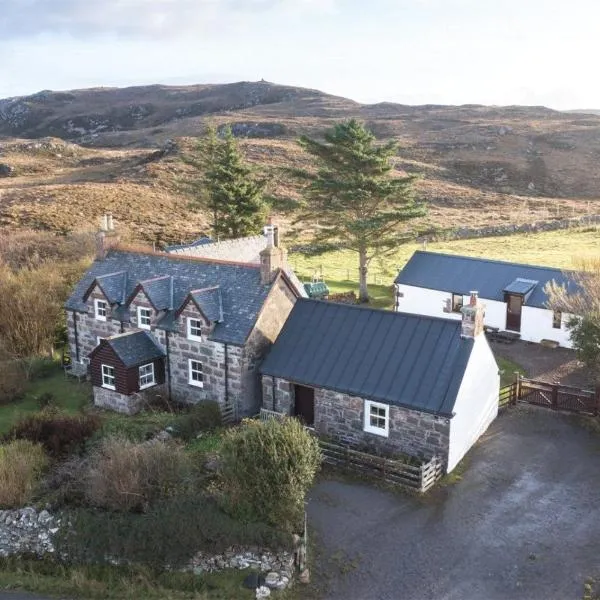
(192, 381)
(150, 373)
(109, 376)
(558, 313)
(97, 308)
(382, 431)
(142, 325)
(190, 335)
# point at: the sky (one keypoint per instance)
(535, 52)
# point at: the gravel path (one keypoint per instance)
(521, 523)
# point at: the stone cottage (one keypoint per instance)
(384, 381)
(192, 328)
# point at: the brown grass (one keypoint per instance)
(21, 464)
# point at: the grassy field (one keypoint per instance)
(551, 248)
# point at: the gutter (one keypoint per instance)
(226, 347)
(169, 391)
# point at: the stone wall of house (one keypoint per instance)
(275, 312)
(89, 329)
(341, 417)
(278, 395)
(412, 432)
(113, 400)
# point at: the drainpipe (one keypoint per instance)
(168, 365)
(274, 389)
(226, 374)
(76, 336)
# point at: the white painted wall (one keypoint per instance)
(536, 323)
(476, 403)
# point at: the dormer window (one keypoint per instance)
(144, 317)
(100, 309)
(194, 329)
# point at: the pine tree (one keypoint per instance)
(229, 189)
(353, 199)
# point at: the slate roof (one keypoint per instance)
(113, 286)
(461, 274)
(401, 359)
(210, 302)
(199, 242)
(242, 294)
(134, 347)
(159, 291)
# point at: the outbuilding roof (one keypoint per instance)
(407, 360)
(133, 348)
(241, 293)
(491, 278)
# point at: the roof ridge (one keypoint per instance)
(157, 278)
(206, 289)
(491, 260)
(185, 257)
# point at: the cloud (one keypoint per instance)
(138, 18)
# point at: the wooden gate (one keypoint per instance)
(551, 395)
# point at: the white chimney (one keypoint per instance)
(109, 222)
(104, 223)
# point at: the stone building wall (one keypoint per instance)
(341, 417)
(275, 312)
(129, 405)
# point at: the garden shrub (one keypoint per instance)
(21, 465)
(59, 434)
(140, 428)
(46, 400)
(204, 416)
(170, 533)
(64, 483)
(12, 382)
(125, 476)
(266, 471)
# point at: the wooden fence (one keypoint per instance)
(551, 395)
(228, 414)
(416, 477)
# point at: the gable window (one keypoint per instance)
(194, 329)
(147, 376)
(144, 317)
(457, 302)
(195, 376)
(100, 309)
(556, 319)
(108, 377)
(377, 418)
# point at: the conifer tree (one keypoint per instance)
(353, 200)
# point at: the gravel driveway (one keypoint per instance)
(521, 524)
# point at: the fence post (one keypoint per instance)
(516, 388)
(554, 396)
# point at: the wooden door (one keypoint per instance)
(514, 304)
(304, 404)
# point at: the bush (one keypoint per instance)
(266, 470)
(124, 476)
(46, 400)
(204, 416)
(12, 382)
(21, 464)
(41, 368)
(64, 484)
(171, 533)
(58, 433)
(139, 429)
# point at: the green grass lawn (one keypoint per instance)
(69, 395)
(507, 370)
(551, 248)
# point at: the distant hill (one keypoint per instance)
(67, 156)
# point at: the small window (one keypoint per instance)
(377, 418)
(194, 329)
(108, 377)
(457, 302)
(100, 309)
(195, 373)
(557, 319)
(147, 376)
(144, 317)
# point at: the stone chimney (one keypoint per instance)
(106, 238)
(272, 258)
(472, 317)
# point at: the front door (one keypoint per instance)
(304, 404)
(514, 304)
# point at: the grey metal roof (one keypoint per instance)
(135, 347)
(242, 293)
(407, 360)
(210, 302)
(520, 286)
(461, 274)
(199, 242)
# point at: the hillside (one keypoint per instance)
(68, 157)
